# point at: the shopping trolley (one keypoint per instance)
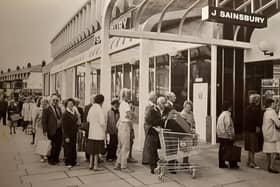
(174, 147)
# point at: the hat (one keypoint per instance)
(115, 101)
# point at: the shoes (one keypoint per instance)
(98, 169)
(132, 160)
(272, 171)
(234, 167)
(117, 167)
(126, 170)
(253, 165)
(52, 163)
(223, 166)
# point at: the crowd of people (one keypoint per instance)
(261, 132)
(65, 123)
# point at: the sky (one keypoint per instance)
(27, 27)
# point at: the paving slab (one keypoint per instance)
(43, 177)
(82, 172)
(98, 178)
(168, 184)
(117, 183)
(58, 182)
(134, 182)
(147, 178)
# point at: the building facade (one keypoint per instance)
(100, 51)
(26, 81)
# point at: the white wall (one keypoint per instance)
(269, 34)
(35, 80)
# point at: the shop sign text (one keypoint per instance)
(222, 15)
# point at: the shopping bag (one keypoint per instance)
(15, 117)
(81, 141)
(43, 147)
(231, 153)
(29, 129)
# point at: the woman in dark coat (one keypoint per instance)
(70, 128)
(252, 129)
(155, 119)
(12, 109)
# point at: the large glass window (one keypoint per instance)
(58, 82)
(70, 73)
(127, 76)
(151, 74)
(162, 74)
(80, 78)
(47, 84)
(119, 80)
(95, 81)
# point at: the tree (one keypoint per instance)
(18, 68)
(29, 65)
(9, 70)
(2, 71)
(43, 63)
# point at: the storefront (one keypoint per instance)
(207, 69)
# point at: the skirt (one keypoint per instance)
(271, 147)
(95, 147)
(253, 142)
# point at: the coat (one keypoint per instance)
(225, 127)
(12, 109)
(153, 118)
(27, 110)
(49, 121)
(112, 119)
(253, 116)
(97, 125)
(271, 126)
(69, 124)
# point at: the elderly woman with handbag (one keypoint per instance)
(13, 116)
(225, 133)
(271, 134)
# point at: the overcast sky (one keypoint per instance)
(27, 26)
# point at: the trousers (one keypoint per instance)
(123, 144)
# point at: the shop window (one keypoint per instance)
(162, 74)
(127, 76)
(58, 82)
(151, 74)
(95, 81)
(80, 78)
(119, 80)
(135, 83)
(47, 84)
(70, 73)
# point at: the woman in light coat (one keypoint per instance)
(271, 134)
(97, 131)
(42, 103)
(27, 109)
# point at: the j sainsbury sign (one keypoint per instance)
(222, 15)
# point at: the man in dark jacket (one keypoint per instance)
(3, 108)
(51, 121)
(154, 118)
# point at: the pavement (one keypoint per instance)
(19, 166)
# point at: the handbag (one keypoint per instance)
(43, 147)
(231, 153)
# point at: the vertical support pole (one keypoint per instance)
(144, 88)
(169, 74)
(189, 73)
(74, 81)
(213, 92)
(88, 83)
(223, 75)
(234, 83)
(252, 6)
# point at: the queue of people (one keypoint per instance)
(112, 134)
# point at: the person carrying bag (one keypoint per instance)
(225, 132)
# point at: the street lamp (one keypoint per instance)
(266, 48)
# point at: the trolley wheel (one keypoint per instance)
(161, 178)
(193, 172)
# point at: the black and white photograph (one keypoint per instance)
(139, 93)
